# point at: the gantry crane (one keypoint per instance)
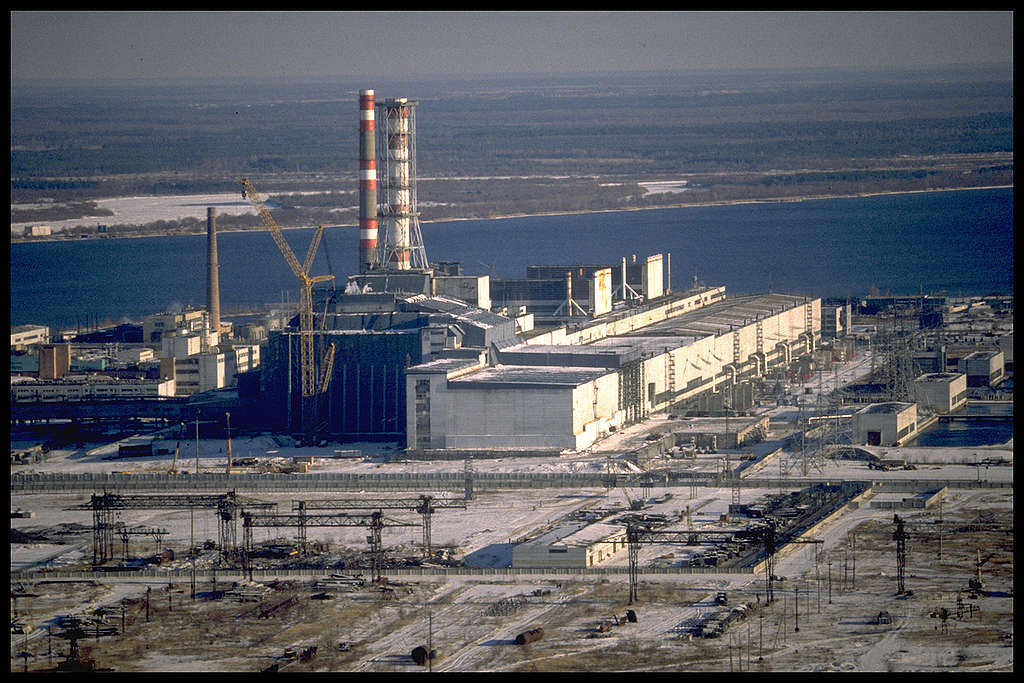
(425, 505)
(301, 270)
(375, 521)
(227, 505)
(764, 534)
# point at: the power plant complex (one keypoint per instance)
(549, 427)
(443, 361)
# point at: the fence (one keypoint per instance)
(454, 481)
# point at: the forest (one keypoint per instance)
(520, 146)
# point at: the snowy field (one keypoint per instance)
(142, 210)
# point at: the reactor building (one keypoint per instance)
(447, 363)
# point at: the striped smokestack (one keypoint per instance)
(367, 183)
(212, 278)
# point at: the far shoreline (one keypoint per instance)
(17, 239)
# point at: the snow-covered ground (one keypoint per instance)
(142, 210)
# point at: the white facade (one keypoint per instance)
(568, 396)
(941, 392)
(884, 424)
(473, 289)
(575, 545)
(25, 335)
(38, 231)
(155, 327)
(181, 346)
(983, 368)
(201, 372)
(135, 354)
(241, 358)
(78, 390)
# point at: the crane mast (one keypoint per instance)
(301, 271)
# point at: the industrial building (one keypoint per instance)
(941, 392)
(983, 368)
(436, 359)
(27, 335)
(579, 545)
(884, 424)
(568, 395)
(85, 388)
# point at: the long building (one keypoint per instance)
(568, 395)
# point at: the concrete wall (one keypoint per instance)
(631, 322)
(533, 417)
(892, 426)
(942, 394)
(473, 289)
(595, 409)
(983, 368)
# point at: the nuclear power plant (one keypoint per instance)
(582, 468)
(445, 362)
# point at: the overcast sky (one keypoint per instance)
(96, 46)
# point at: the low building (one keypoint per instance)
(27, 335)
(941, 392)
(571, 545)
(180, 346)
(884, 424)
(983, 368)
(835, 320)
(88, 388)
(722, 432)
(54, 360)
(38, 231)
(154, 327)
(134, 355)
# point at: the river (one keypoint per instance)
(959, 241)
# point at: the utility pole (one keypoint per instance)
(192, 548)
(227, 418)
(760, 636)
(197, 442)
(830, 580)
(853, 556)
(796, 610)
(817, 575)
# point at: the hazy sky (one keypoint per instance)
(311, 45)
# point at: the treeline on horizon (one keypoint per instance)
(176, 142)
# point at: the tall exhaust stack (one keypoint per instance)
(402, 244)
(212, 278)
(367, 183)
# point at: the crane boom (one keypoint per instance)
(301, 270)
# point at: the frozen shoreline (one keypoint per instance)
(196, 208)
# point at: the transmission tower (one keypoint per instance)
(900, 536)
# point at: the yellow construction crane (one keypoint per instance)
(305, 304)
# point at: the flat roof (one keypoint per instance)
(579, 534)
(939, 376)
(889, 407)
(528, 375)
(722, 316)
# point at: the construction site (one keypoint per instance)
(582, 470)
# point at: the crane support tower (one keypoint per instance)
(301, 270)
